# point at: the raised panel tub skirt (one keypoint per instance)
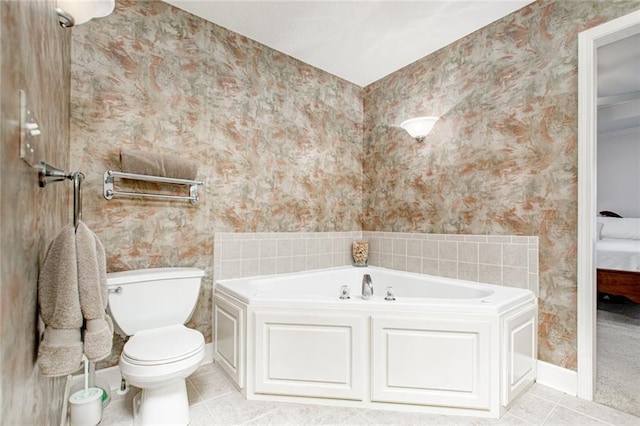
(421, 343)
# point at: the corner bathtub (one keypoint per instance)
(443, 345)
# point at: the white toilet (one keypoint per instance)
(151, 306)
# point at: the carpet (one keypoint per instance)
(618, 361)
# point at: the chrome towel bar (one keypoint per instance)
(109, 192)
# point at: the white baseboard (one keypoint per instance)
(208, 353)
(558, 378)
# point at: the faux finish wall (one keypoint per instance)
(35, 56)
(278, 142)
(503, 157)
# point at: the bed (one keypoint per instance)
(618, 257)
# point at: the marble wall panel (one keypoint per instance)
(35, 57)
(502, 159)
(278, 142)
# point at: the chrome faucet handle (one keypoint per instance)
(345, 292)
(367, 287)
(391, 294)
(117, 290)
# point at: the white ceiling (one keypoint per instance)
(359, 41)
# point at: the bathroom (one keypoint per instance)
(285, 147)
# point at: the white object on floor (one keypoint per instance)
(151, 306)
(86, 407)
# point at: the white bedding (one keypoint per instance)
(621, 255)
(627, 228)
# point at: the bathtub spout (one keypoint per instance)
(367, 287)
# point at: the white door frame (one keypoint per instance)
(588, 43)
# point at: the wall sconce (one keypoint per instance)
(76, 12)
(419, 127)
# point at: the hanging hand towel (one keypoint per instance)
(72, 288)
(92, 288)
(148, 163)
(60, 352)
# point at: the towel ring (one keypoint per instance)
(48, 174)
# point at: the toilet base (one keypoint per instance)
(165, 405)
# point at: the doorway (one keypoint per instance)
(589, 43)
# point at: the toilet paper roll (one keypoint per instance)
(86, 407)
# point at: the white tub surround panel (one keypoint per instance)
(432, 361)
(442, 346)
(328, 357)
(229, 329)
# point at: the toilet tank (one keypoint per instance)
(150, 298)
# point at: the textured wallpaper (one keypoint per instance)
(278, 142)
(285, 147)
(35, 57)
(503, 157)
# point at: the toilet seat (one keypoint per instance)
(163, 345)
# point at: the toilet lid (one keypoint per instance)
(164, 344)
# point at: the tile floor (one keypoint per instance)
(215, 401)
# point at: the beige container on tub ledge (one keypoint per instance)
(360, 252)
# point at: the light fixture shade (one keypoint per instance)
(419, 127)
(84, 10)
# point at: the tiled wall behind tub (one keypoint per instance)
(495, 259)
(238, 255)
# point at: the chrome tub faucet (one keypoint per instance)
(367, 287)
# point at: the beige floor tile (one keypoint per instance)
(276, 417)
(506, 420)
(385, 417)
(212, 384)
(563, 416)
(192, 393)
(546, 392)
(119, 411)
(316, 414)
(232, 408)
(206, 369)
(531, 408)
(599, 411)
(200, 415)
